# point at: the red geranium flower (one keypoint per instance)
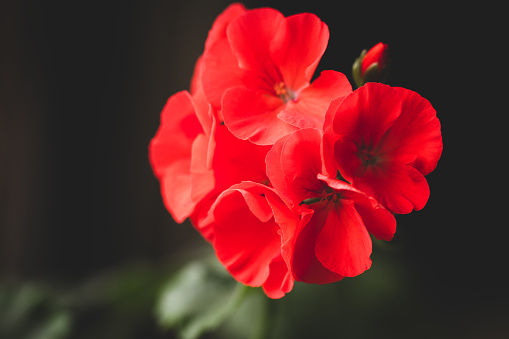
(247, 241)
(287, 178)
(195, 158)
(332, 239)
(258, 72)
(387, 140)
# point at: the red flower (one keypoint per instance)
(332, 239)
(287, 178)
(388, 139)
(258, 72)
(195, 158)
(248, 217)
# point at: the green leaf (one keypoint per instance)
(56, 326)
(199, 298)
(29, 311)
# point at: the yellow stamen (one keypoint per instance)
(280, 89)
(283, 92)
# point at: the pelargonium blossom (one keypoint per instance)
(258, 73)
(289, 178)
(196, 158)
(386, 140)
(332, 240)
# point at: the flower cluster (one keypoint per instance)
(289, 178)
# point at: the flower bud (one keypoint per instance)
(371, 66)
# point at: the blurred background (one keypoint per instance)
(86, 245)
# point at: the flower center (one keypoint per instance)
(330, 196)
(283, 92)
(327, 195)
(368, 156)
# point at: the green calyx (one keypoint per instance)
(372, 74)
(356, 70)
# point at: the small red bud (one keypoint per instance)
(378, 54)
(372, 65)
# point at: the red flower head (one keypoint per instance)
(248, 236)
(258, 72)
(387, 140)
(287, 178)
(332, 240)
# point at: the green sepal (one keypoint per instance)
(356, 69)
(372, 73)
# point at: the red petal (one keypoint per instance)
(196, 79)
(220, 66)
(252, 115)
(218, 30)
(377, 220)
(329, 167)
(400, 188)
(297, 48)
(366, 114)
(246, 248)
(280, 280)
(178, 128)
(202, 220)
(331, 112)
(301, 162)
(275, 171)
(250, 37)
(288, 222)
(220, 72)
(416, 132)
(329, 138)
(175, 184)
(349, 164)
(305, 265)
(170, 153)
(203, 109)
(203, 181)
(308, 111)
(237, 160)
(343, 245)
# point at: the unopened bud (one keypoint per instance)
(371, 66)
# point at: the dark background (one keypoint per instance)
(81, 89)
